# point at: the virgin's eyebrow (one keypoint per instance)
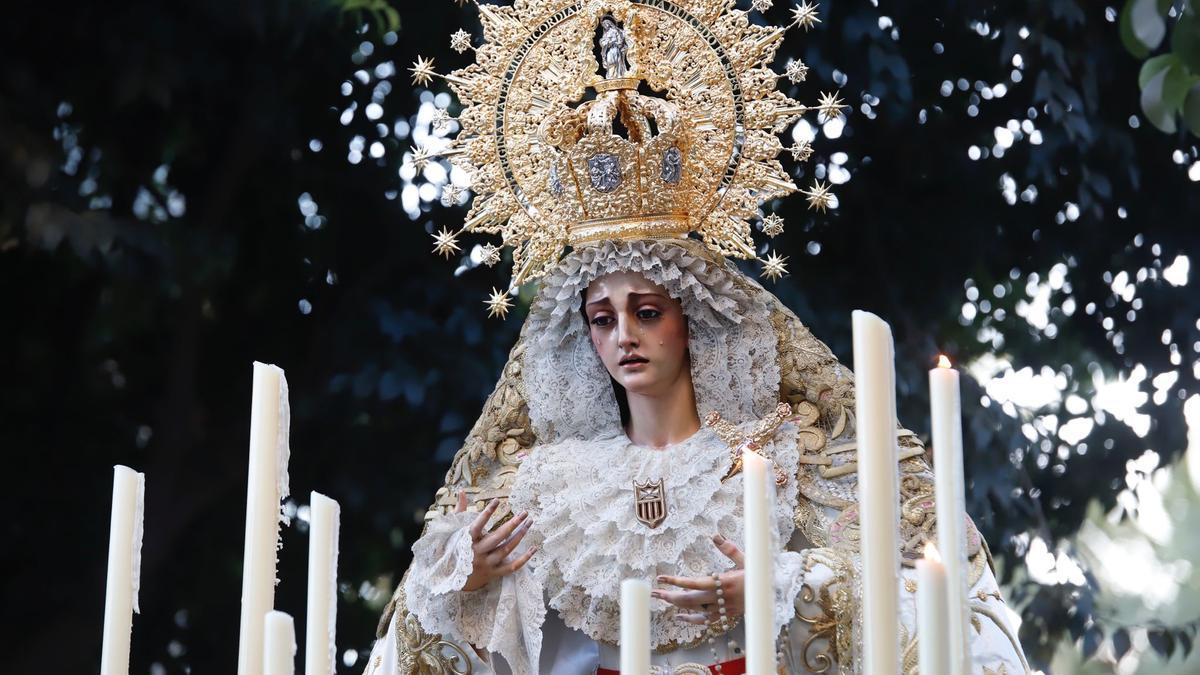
(648, 294)
(632, 294)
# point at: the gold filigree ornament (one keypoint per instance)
(676, 137)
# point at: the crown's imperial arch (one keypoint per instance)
(622, 119)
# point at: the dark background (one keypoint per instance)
(180, 196)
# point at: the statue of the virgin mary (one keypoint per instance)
(610, 447)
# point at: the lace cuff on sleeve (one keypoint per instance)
(790, 571)
(442, 561)
(504, 617)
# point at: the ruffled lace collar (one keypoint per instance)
(581, 499)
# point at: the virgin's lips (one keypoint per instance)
(633, 358)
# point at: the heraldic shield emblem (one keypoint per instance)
(651, 502)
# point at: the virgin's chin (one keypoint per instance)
(638, 383)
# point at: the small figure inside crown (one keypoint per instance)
(613, 47)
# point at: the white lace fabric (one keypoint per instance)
(442, 560)
(580, 497)
(497, 616)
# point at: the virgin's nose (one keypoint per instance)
(627, 339)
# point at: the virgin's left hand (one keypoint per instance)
(700, 600)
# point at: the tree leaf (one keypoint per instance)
(1185, 39)
(1191, 110)
(1128, 38)
(1148, 24)
(1176, 86)
(1153, 106)
(1120, 642)
(1154, 66)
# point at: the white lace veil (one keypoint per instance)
(732, 345)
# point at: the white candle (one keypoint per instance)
(279, 652)
(757, 483)
(267, 484)
(124, 568)
(321, 625)
(878, 492)
(635, 627)
(933, 653)
(950, 494)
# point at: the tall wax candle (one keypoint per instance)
(267, 485)
(878, 492)
(950, 494)
(757, 483)
(124, 569)
(933, 647)
(635, 627)
(321, 624)
(279, 649)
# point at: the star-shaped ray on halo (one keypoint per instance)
(451, 193)
(422, 71)
(801, 151)
(490, 255)
(445, 243)
(819, 196)
(774, 267)
(420, 157)
(441, 119)
(460, 41)
(796, 71)
(805, 15)
(772, 225)
(761, 6)
(498, 304)
(830, 106)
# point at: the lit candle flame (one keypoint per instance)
(931, 552)
(943, 362)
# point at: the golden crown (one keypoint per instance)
(678, 135)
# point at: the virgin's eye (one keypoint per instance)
(648, 313)
(601, 321)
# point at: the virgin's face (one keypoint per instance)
(639, 331)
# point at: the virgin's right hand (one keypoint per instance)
(493, 548)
